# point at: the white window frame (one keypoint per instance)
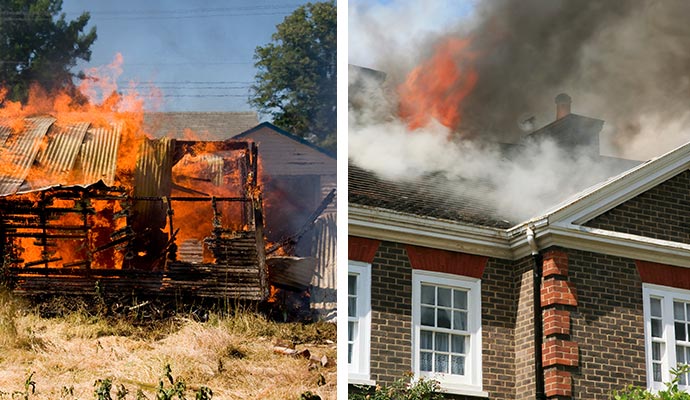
(358, 370)
(471, 383)
(667, 295)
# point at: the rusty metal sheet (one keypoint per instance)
(98, 157)
(5, 132)
(56, 160)
(19, 152)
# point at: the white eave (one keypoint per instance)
(560, 226)
(382, 224)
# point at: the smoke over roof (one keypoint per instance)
(624, 62)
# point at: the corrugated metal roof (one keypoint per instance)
(4, 132)
(98, 160)
(57, 159)
(21, 152)
(44, 155)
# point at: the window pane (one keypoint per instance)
(425, 361)
(655, 306)
(351, 306)
(683, 379)
(351, 331)
(444, 297)
(352, 284)
(457, 365)
(441, 363)
(680, 331)
(679, 311)
(458, 344)
(349, 353)
(426, 340)
(656, 351)
(443, 318)
(656, 328)
(687, 310)
(441, 342)
(656, 368)
(428, 316)
(687, 355)
(460, 299)
(428, 294)
(460, 320)
(680, 354)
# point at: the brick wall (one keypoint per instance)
(524, 330)
(391, 313)
(662, 212)
(391, 305)
(607, 324)
(499, 310)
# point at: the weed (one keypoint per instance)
(67, 391)
(672, 391)
(204, 393)
(401, 389)
(8, 315)
(29, 387)
(121, 392)
(103, 387)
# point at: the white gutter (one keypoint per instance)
(392, 226)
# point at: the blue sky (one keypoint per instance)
(200, 54)
(386, 29)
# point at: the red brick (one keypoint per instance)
(556, 322)
(558, 292)
(557, 383)
(560, 352)
(555, 263)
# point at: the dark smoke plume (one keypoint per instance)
(627, 62)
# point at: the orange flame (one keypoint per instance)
(207, 170)
(436, 88)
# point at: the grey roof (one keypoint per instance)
(435, 196)
(431, 196)
(201, 125)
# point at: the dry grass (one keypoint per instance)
(231, 355)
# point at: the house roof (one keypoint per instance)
(249, 132)
(199, 125)
(43, 155)
(431, 196)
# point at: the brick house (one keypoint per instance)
(444, 287)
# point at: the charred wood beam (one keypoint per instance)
(79, 263)
(39, 262)
(185, 189)
(154, 198)
(50, 227)
(41, 235)
(34, 211)
(112, 244)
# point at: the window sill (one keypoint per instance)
(464, 390)
(364, 380)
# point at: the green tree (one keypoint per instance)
(38, 45)
(296, 78)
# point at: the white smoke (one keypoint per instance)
(624, 62)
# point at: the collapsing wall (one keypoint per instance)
(186, 219)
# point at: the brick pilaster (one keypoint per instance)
(559, 354)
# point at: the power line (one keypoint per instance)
(161, 14)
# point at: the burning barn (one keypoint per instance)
(93, 206)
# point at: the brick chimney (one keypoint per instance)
(562, 105)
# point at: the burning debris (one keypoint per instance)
(89, 202)
(187, 219)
